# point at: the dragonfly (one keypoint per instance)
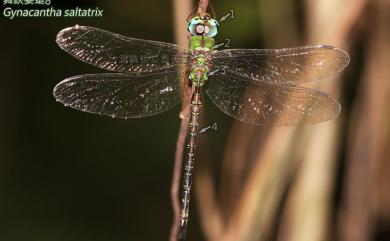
(145, 78)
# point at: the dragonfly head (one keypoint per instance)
(203, 25)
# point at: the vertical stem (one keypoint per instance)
(176, 173)
(203, 4)
(368, 137)
(181, 9)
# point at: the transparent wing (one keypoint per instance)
(266, 104)
(283, 66)
(117, 53)
(121, 95)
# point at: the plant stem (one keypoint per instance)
(203, 4)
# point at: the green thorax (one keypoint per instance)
(201, 43)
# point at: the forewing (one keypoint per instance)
(283, 66)
(267, 104)
(118, 53)
(121, 95)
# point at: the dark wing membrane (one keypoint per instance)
(117, 53)
(121, 95)
(266, 104)
(283, 66)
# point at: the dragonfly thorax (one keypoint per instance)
(201, 43)
(201, 65)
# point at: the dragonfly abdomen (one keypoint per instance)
(196, 104)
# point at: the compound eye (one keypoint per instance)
(211, 28)
(200, 29)
(196, 26)
(206, 29)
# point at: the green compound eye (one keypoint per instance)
(193, 26)
(213, 27)
(199, 27)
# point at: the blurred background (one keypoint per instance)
(67, 175)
